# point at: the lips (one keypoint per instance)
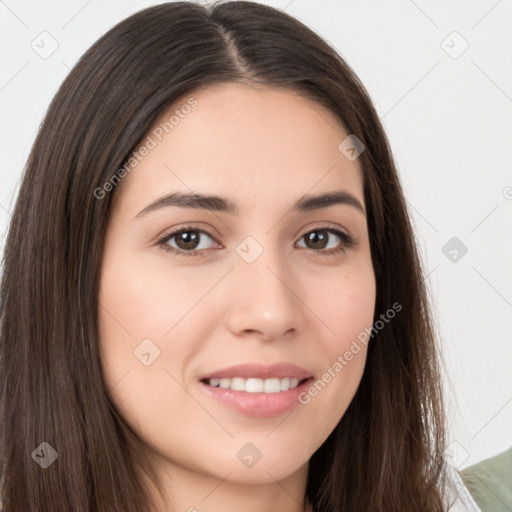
(258, 390)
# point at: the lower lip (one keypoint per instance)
(260, 405)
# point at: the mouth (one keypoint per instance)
(255, 385)
(257, 390)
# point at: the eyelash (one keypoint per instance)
(347, 241)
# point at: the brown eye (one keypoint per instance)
(188, 241)
(319, 239)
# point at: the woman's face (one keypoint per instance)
(241, 287)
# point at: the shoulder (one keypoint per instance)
(458, 497)
(489, 481)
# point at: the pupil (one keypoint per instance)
(188, 240)
(313, 237)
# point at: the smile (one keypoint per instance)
(254, 385)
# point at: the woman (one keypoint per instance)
(212, 298)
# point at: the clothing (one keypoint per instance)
(458, 495)
(490, 482)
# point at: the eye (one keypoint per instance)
(320, 242)
(188, 241)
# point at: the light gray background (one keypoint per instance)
(448, 117)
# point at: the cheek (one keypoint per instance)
(150, 308)
(148, 299)
(347, 306)
(142, 312)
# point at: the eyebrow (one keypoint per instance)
(222, 204)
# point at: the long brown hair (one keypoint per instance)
(386, 454)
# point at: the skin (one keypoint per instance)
(207, 312)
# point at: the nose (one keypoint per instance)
(264, 299)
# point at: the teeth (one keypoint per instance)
(255, 385)
(225, 383)
(271, 386)
(237, 384)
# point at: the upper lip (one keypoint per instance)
(260, 371)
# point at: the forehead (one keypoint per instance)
(245, 141)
